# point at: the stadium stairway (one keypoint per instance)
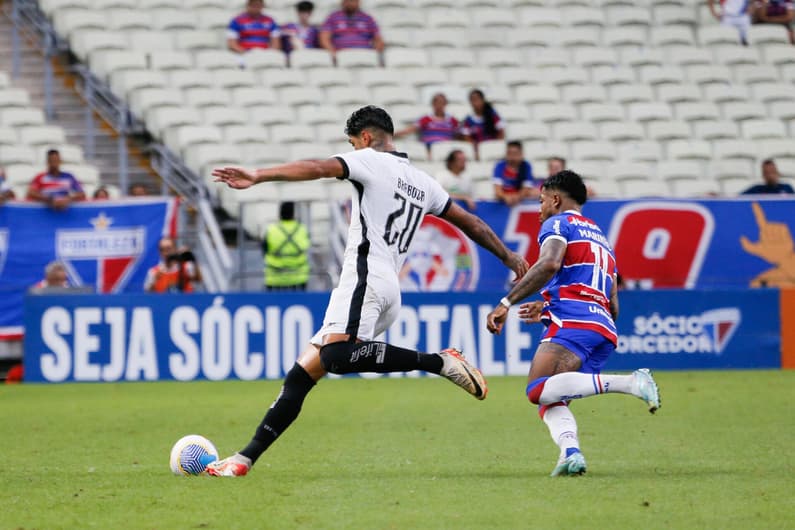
(69, 109)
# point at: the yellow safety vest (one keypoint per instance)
(286, 259)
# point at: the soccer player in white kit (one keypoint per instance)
(391, 198)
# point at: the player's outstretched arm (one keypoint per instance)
(239, 178)
(479, 232)
(550, 259)
(614, 299)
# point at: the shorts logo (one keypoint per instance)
(441, 258)
(3, 248)
(707, 333)
(104, 257)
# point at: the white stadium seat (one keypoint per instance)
(245, 134)
(679, 93)
(14, 117)
(440, 150)
(141, 101)
(224, 115)
(179, 138)
(730, 169)
(621, 131)
(42, 134)
(689, 150)
(602, 112)
(358, 58)
(14, 97)
(604, 151)
(763, 129)
(575, 131)
(727, 149)
(405, 57)
(621, 171)
(695, 188)
(17, 154)
(765, 34)
(21, 174)
(666, 130)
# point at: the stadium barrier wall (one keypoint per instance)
(788, 328)
(255, 336)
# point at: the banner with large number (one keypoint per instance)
(106, 245)
(254, 336)
(658, 243)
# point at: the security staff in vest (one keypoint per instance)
(286, 246)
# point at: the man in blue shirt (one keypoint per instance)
(771, 176)
(513, 177)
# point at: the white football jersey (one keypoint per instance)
(391, 198)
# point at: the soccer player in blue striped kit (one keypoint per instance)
(576, 275)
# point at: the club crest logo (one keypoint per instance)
(720, 324)
(103, 256)
(441, 258)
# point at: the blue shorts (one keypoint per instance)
(592, 348)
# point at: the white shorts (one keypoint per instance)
(741, 22)
(362, 308)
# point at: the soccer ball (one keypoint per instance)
(191, 454)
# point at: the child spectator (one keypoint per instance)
(350, 28)
(300, 35)
(484, 123)
(455, 179)
(513, 177)
(55, 187)
(435, 127)
(253, 29)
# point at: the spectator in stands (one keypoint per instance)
(101, 194)
(484, 123)
(138, 189)
(733, 13)
(286, 249)
(435, 127)
(55, 187)
(350, 28)
(555, 165)
(253, 29)
(771, 177)
(175, 273)
(300, 35)
(6, 193)
(775, 12)
(455, 179)
(54, 276)
(513, 177)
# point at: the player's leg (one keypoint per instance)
(285, 409)
(574, 359)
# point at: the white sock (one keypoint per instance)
(563, 428)
(576, 385)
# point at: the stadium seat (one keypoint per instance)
(85, 173)
(634, 189)
(440, 150)
(196, 39)
(533, 17)
(763, 129)
(589, 170)
(8, 135)
(772, 92)
(310, 58)
(584, 16)
(702, 75)
(709, 36)
(492, 150)
(730, 169)
(180, 137)
(776, 148)
(70, 153)
(758, 73)
(644, 112)
(788, 73)
(212, 18)
(602, 112)
(739, 111)
(779, 54)
(604, 151)
(438, 38)
(14, 97)
(735, 54)
(141, 101)
(634, 93)
(672, 36)
(562, 76)
(328, 76)
(334, 134)
(695, 188)
(688, 56)
(272, 115)
(452, 57)
(548, 58)
(784, 110)
(415, 150)
(575, 131)
(551, 112)
(662, 75)
(358, 58)
(637, 57)
(401, 18)
(512, 114)
(21, 174)
(36, 135)
(238, 135)
(605, 188)
(389, 95)
(192, 78)
(295, 96)
(499, 58)
(728, 149)
(68, 21)
(283, 78)
(697, 111)
(124, 83)
(16, 117)
(220, 116)
(735, 186)
(622, 37)
(528, 131)
(161, 118)
(202, 157)
(85, 42)
(492, 17)
(700, 150)
(404, 57)
(546, 150)
(309, 151)
(424, 76)
(643, 151)
(521, 38)
(124, 20)
(621, 171)
(628, 16)
(258, 60)
(286, 134)
(575, 37)
(17, 154)
(766, 34)
(665, 130)
(588, 93)
(595, 56)
(319, 114)
(207, 97)
(447, 18)
(348, 97)
(170, 60)
(724, 93)
(679, 93)
(619, 131)
(169, 19)
(228, 78)
(106, 62)
(611, 76)
(216, 59)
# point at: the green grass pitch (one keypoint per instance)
(402, 454)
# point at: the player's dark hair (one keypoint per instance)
(369, 117)
(515, 143)
(568, 182)
(305, 6)
(287, 211)
(768, 161)
(450, 157)
(489, 114)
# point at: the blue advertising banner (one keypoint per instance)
(106, 245)
(253, 336)
(658, 243)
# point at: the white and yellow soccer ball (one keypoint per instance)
(191, 454)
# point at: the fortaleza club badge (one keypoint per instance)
(441, 258)
(103, 256)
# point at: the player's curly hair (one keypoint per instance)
(568, 182)
(369, 117)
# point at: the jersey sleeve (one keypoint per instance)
(496, 175)
(74, 184)
(355, 166)
(233, 30)
(438, 199)
(556, 227)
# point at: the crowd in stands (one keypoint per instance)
(742, 13)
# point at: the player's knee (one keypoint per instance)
(336, 357)
(534, 389)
